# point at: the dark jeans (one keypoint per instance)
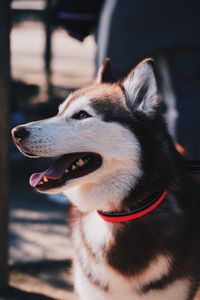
(134, 34)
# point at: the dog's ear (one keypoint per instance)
(104, 74)
(140, 88)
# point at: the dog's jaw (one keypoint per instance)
(106, 188)
(108, 194)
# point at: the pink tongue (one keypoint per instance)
(51, 173)
(36, 177)
(55, 171)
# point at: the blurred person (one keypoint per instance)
(168, 31)
(78, 17)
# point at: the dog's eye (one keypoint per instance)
(81, 115)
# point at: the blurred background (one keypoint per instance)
(49, 48)
(44, 65)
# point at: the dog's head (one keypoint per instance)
(93, 138)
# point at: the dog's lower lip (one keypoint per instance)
(27, 153)
(31, 155)
(67, 167)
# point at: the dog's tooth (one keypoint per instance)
(86, 160)
(45, 179)
(73, 167)
(66, 171)
(80, 162)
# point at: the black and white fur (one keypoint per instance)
(157, 256)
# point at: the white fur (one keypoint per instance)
(98, 234)
(75, 106)
(143, 76)
(125, 290)
(118, 147)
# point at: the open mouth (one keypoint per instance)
(68, 166)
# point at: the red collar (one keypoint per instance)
(118, 217)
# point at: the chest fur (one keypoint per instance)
(96, 278)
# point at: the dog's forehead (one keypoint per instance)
(85, 98)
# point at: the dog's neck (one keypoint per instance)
(108, 194)
(92, 197)
(146, 206)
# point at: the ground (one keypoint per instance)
(40, 245)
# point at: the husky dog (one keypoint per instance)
(136, 214)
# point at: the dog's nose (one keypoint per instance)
(19, 133)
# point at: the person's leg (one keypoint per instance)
(184, 68)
